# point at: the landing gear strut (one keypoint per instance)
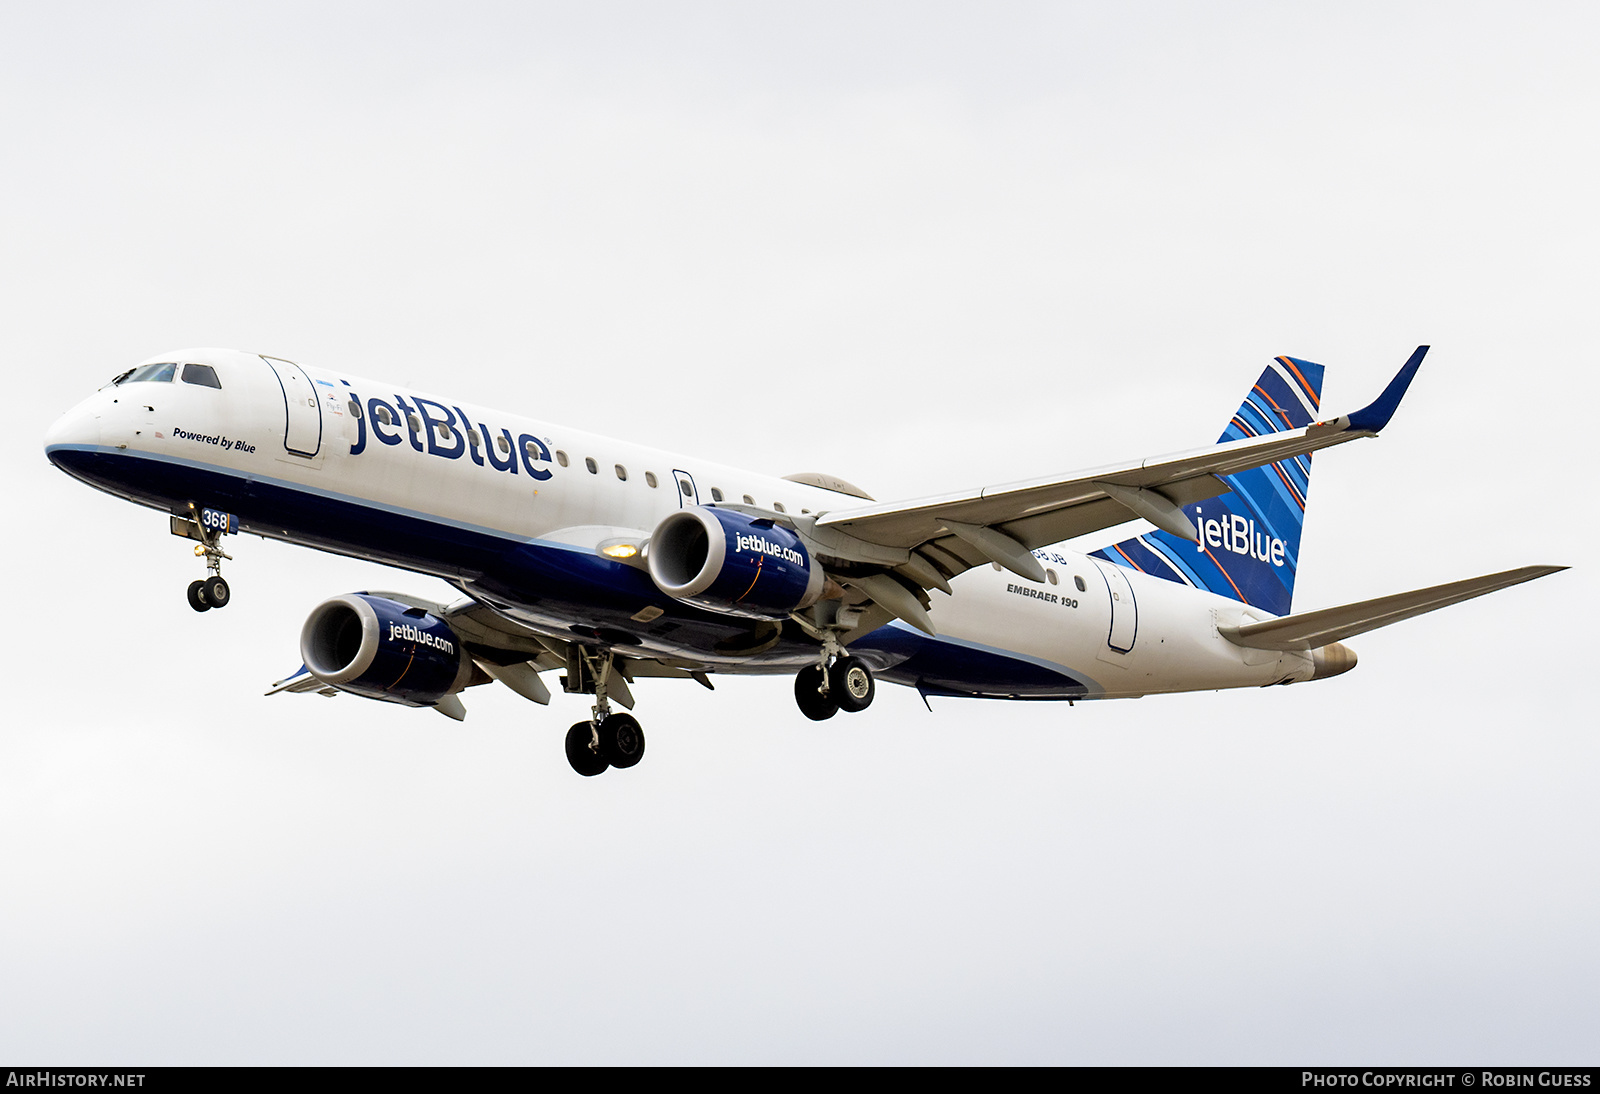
(610, 738)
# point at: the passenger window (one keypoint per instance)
(472, 436)
(650, 479)
(445, 432)
(414, 422)
(748, 500)
(204, 375)
(1078, 581)
(1051, 574)
(561, 457)
(996, 566)
(354, 407)
(778, 505)
(504, 444)
(594, 468)
(622, 473)
(716, 493)
(384, 416)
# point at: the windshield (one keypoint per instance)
(204, 375)
(152, 373)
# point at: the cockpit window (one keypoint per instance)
(204, 375)
(161, 373)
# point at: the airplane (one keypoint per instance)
(610, 562)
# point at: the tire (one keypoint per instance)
(850, 684)
(217, 592)
(197, 596)
(621, 740)
(584, 760)
(808, 694)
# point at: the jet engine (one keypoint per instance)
(382, 649)
(733, 563)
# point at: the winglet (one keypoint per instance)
(1372, 418)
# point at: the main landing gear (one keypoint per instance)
(208, 526)
(824, 689)
(613, 741)
(610, 738)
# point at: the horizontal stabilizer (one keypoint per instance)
(1310, 630)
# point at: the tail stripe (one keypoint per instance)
(1294, 491)
(1223, 570)
(1257, 524)
(1129, 558)
(1276, 409)
(1311, 394)
(1260, 486)
(1153, 551)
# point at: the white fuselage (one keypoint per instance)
(450, 471)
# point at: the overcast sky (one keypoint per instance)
(920, 246)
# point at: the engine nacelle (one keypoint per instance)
(732, 563)
(382, 649)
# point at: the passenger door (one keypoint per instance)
(687, 494)
(1124, 608)
(302, 416)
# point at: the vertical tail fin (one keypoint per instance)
(1249, 538)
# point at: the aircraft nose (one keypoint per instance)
(78, 426)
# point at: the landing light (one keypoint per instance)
(620, 551)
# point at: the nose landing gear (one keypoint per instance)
(208, 526)
(209, 592)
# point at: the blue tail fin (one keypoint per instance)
(1249, 539)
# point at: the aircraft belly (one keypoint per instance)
(998, 636)
(156, 481)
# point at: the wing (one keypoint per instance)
(930, 540)
(504, 650)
